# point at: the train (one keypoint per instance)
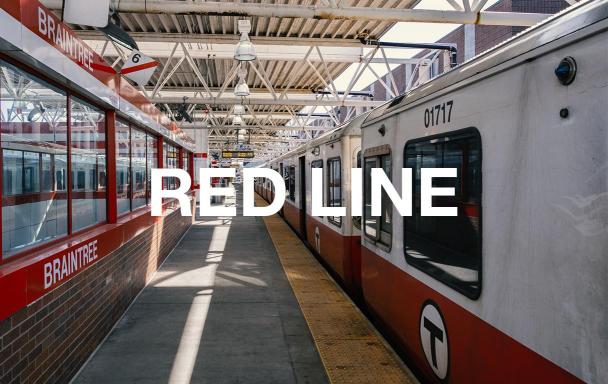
(514, 288)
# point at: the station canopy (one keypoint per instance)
(290, 87)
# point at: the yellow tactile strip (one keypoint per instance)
(351, 350)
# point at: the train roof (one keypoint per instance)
(293, 152)
(509, 53)
(349, 128)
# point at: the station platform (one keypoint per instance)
(242, 300)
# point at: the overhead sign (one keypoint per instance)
(237, 154)
(139, 67)
(86, 12)
(45, 24)
(434, 339)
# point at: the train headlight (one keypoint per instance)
(566, 70)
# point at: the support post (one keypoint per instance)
(111, 167)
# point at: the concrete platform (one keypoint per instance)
(220, 310)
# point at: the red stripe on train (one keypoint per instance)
(479, 353)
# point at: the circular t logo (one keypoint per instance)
(434, 339)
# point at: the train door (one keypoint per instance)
(302, 164)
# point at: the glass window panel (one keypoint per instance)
(61, 172)
(12, 172)
(171, 156)
(31, 172)
(292, 183)
(46, 177)
(357, 219)
(318, 164)
(379, 229)
(123, 167)
(334, 188)
(386, 220)
(138, 167)
(448, 248)
(33, 123)
(151, 161)
(371, 222)
(186, 161)
(88, 135)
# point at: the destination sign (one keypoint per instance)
(237, 154)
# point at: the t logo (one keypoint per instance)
(434, 340)
(436, 334)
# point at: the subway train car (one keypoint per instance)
(294, 208)
(514, 288)
(263, 186)
(337, 240)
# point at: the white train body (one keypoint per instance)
(515, 289)
(544, 231)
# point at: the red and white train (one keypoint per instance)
(515, 288)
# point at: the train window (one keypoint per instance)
(317, 164)
(33, 116)
(447, 248)
(357, 219)
(46, 169)
(292, 183)
(31, 172)
(286, 179)
(88, 133)
(61, 172)
(138, 168)
(334, 188)
(379, 229)
(123, 166)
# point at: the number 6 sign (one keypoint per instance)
(139, 67)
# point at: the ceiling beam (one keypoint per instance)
(267, 101)
(185, 91)
(248, 116)
(391, 15)
(259, 139)
(191, 126)
(336, 54)
(201, 38)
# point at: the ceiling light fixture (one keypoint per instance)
(240, 136)
(239, 109)
(245, 51)
(242, 89)
(182, 112)
(36, 113)
(116, 33)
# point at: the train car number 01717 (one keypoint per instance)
(439, 114)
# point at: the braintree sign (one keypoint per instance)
(379, 182)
